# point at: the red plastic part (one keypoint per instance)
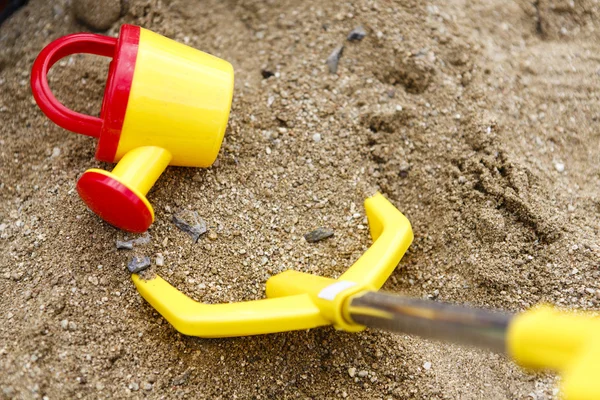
(116, 95)
(114, 202)
(62, 47)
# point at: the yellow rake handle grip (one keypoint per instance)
(566, 342)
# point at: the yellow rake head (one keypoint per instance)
(295, 300)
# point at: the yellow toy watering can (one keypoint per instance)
(541, 338)
(164, 104)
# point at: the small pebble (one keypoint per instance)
(128, 245)
(362, 374)
(138, 264)
(147, 386)
(427, 365)
(352, 372)
(55, 152)
(560, 167)
(334, 59)
(64, 324)
(134, 386)
(356, 34)
(212, 235)
(142, 239)
(58, 10)
(317, 137)
(182, 379)
(160, 260)
(190, 223)
(318, 235)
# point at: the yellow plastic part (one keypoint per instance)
(139, 169)
(179, 100)
(295, 300)
(176, 113)
(569, 343)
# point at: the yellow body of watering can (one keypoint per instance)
(164, 104)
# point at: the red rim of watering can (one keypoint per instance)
(114, 202)
(108, 127)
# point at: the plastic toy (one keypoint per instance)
(164, 104)
(295, 300)
(541, 338)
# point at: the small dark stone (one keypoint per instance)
(404, 169)
(334, 59)
(190, 223)
(266, 74)
(318, 235)
(357, 34)
(138, 264)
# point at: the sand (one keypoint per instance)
(478, 121)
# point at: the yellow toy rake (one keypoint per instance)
(542, 338)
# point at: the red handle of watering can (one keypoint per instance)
(60, 48)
